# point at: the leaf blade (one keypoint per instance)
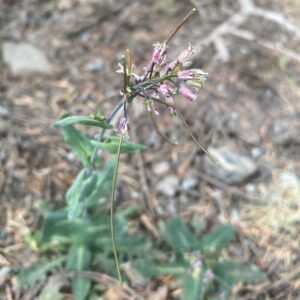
(84, 120)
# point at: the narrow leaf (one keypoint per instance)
(81, 120)
(228, 274)
(217, 239)
(177, 234)
(38, 272)
(110, 144)
(80, 144)
(192, 284)
(79, 259)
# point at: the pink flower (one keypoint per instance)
(197, 265)
(158, 55)
(192, 74)
(187, 93)
(154, 107)
(185, 74)
(165, 89)
(186, 54)
(122, 127)
(208, 276)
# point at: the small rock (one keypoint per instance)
(93, 65)
(231, 168)
(250, 188)
(4, 274)
(288, 187)
(189, 183)
(161, 168)
(25, 58)
(285, 132)
(4, 112)
(256, 152)
(168, 186)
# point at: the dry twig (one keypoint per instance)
(232, 24)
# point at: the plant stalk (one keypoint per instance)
(112, 200)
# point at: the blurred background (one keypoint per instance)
(61, 56)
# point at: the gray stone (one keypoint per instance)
(4, 112)
(189, 183)
(231, 168)
(25, 58)
(93, 65)
(168, 186)
(285, 132)
(4, 274)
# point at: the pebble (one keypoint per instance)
(4, 112)
(231, 168)
(189, 183)
(25, 58)
(256, 152)
(161, 168)
(285, 132)
(93, 65)
(168, 186)
(4, 274)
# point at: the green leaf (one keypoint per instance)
(79, 259)
(80, 144)
(177, 234)
(66, 121)
(59, 229)
(149, 269)
(39, 271)
(217, 239)
(192, 284)
(228, 274)
(88, 190)
(111, 143)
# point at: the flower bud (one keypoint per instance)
(187, 93)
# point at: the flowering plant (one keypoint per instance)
(161, 80)
(76, 236)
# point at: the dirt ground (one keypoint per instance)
(249, 104)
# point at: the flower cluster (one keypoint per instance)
(161, 81)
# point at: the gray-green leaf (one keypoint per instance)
(79, 259)
(111, 143)
(80, 144)
(177, 234)
(66, 121)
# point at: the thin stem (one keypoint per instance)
(112, 200)
(180, 24)
(174, 143)
(188, 130)
(195, 140)
(124, 75)
(129, 62)
(109, 119)
(125, 110)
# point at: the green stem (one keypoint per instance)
(112, 200)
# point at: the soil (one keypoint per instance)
(250, 104)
